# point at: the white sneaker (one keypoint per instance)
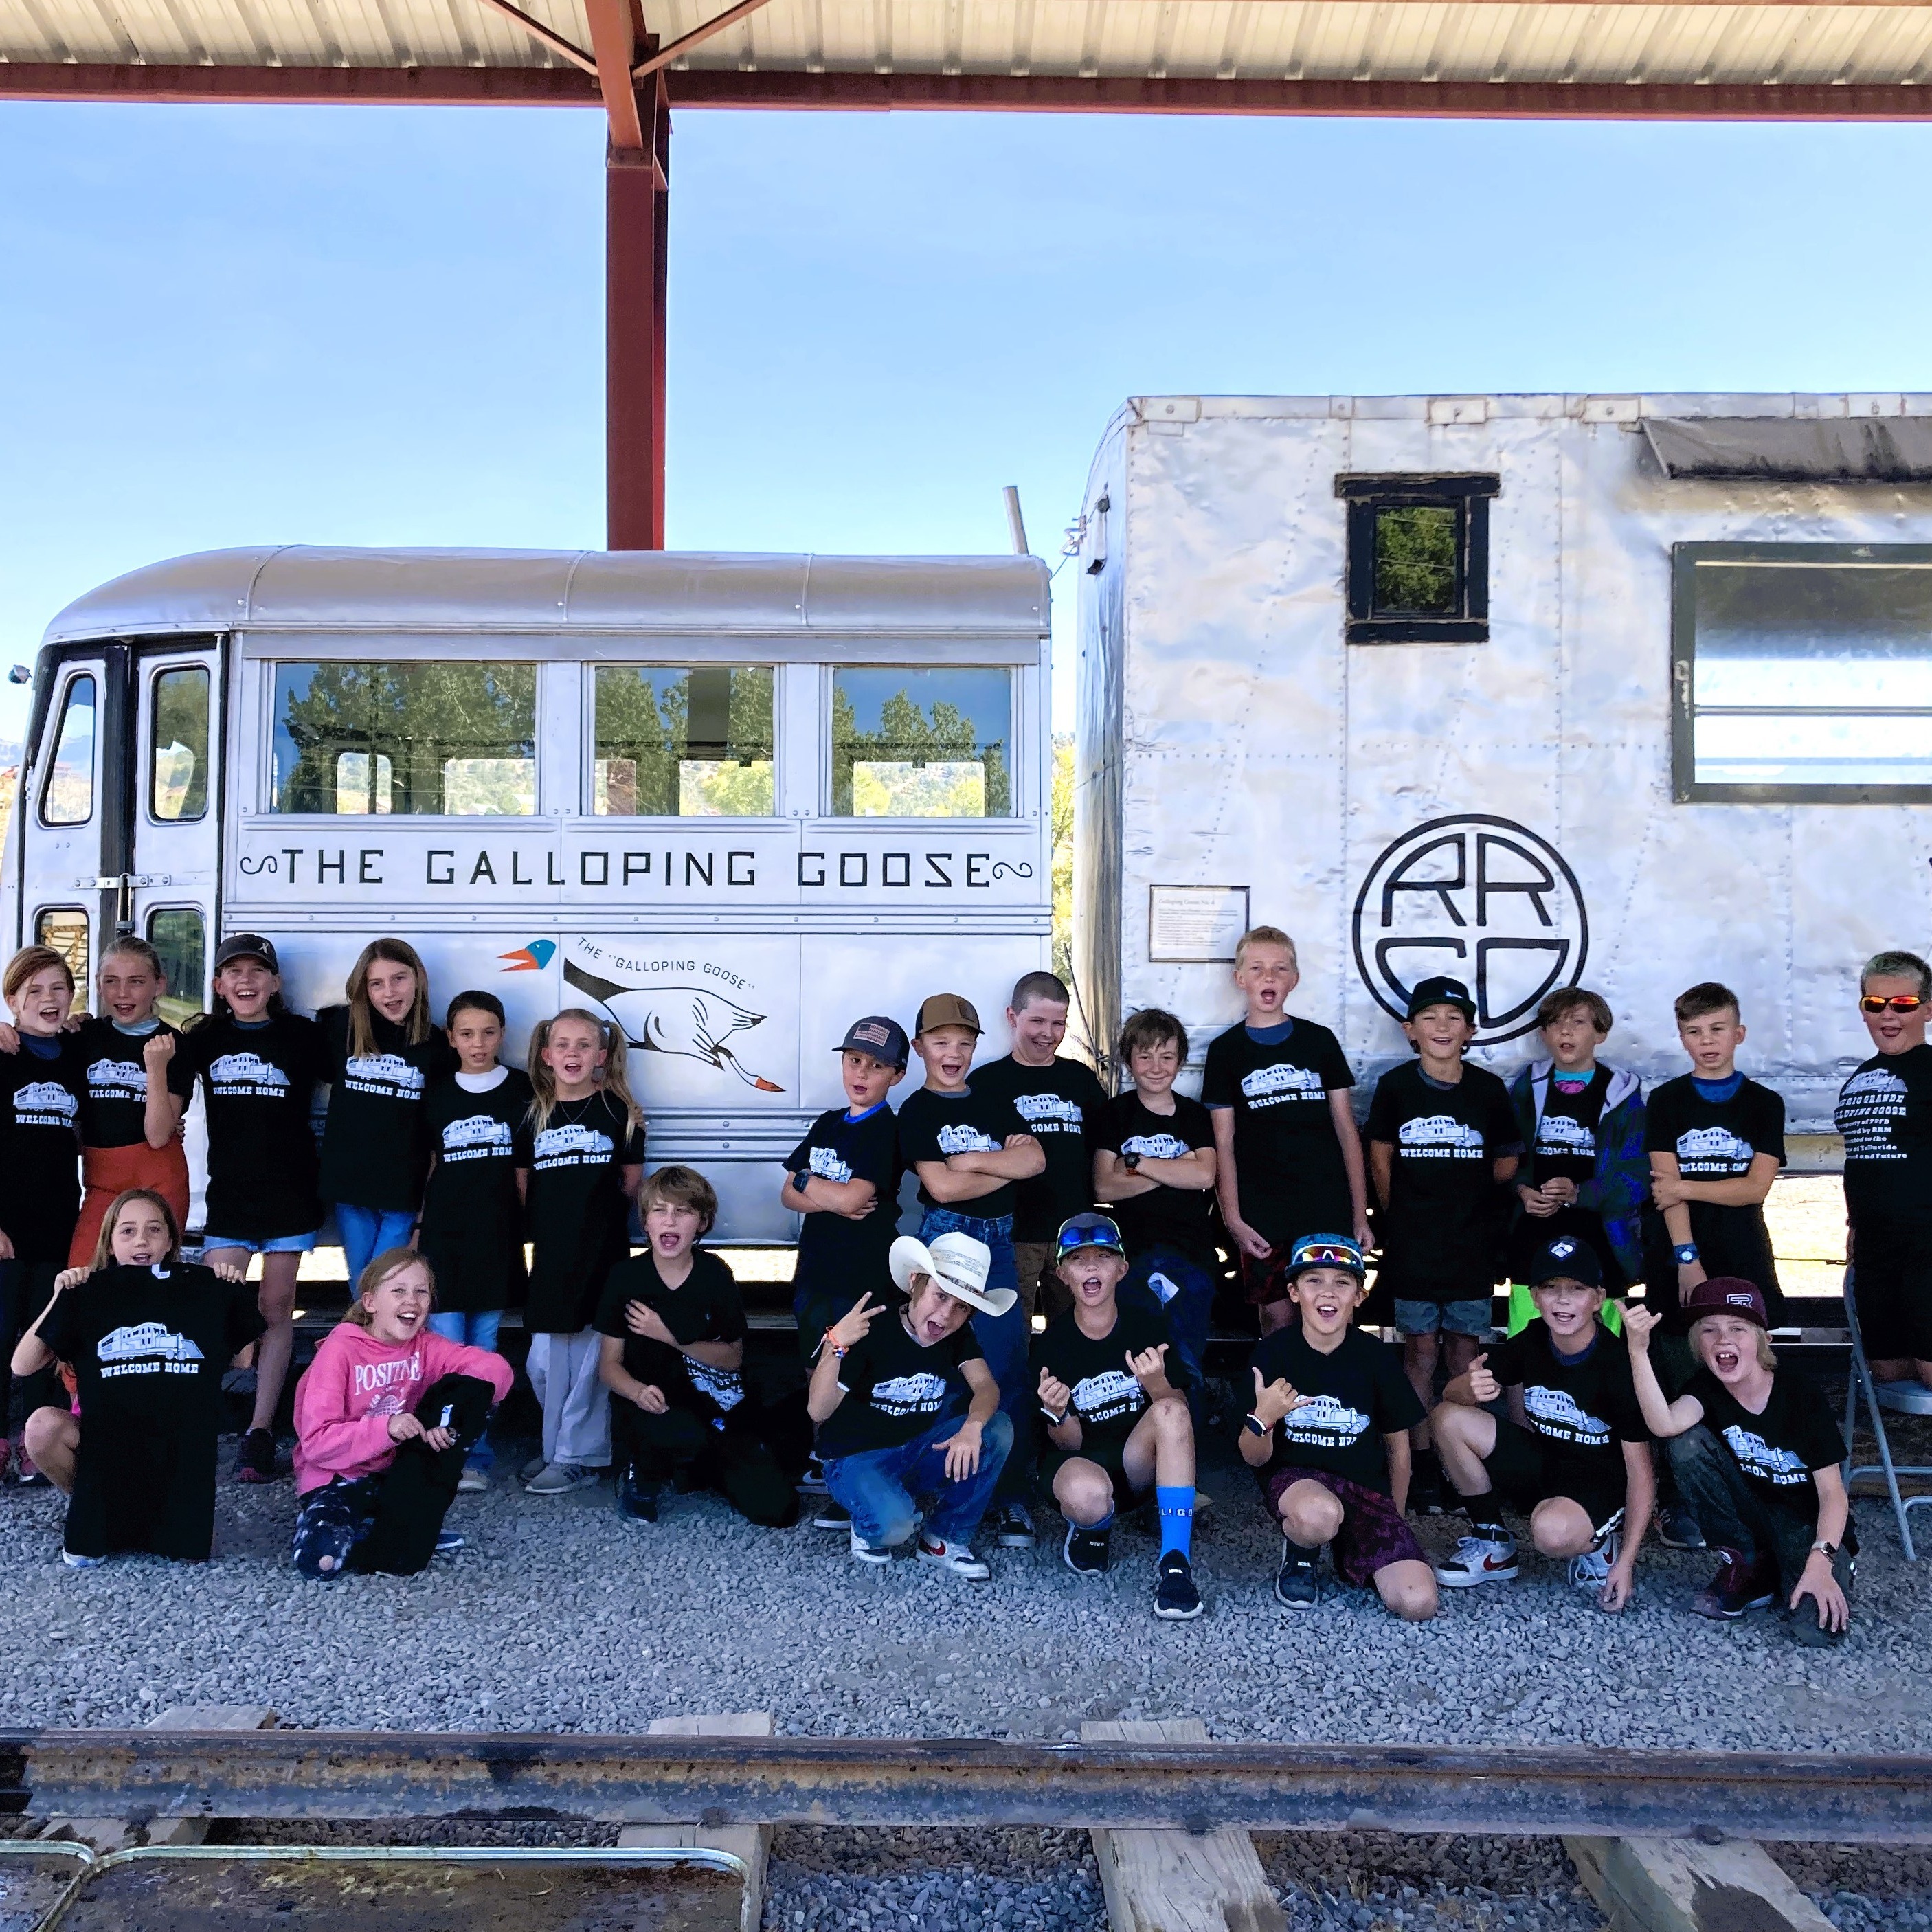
(956, 1557)
(560, 1479)
(1591, 1570)
(1478, 1559)
(473, 1478)
(862, 1551)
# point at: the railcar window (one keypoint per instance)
(913, 743)
(692, 743)
(1418, 559)
(64, 928)
(179, 934)
(178, 746)
(1804, 671)
(457, 740)
(67, 797)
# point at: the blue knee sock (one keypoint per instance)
(1176, 1520)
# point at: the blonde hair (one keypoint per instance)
(1266, 935)
(27, 962)
(612, 1078)
(362, 1015)
(1767, 1356)
(391, 1260)
(103, 1242)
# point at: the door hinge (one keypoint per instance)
(115, 882)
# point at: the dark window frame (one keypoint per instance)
(1468, 495)
(1686, 789)
(193, 667)
(93, 678)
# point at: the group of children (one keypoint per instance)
(1630, 1230)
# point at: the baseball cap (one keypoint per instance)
(1441, 990)
(1573, 1259)
(1088, 1230)
(960, 1265)
(1728, 1294)
(1314, 1251)
(883, 1039)
(246, 946)
(947, 1009)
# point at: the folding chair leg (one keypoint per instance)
(1862, 1378)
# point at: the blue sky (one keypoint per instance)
(230, 325)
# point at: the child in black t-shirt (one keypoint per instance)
(259, 1065)
(1573, 1452)
(1112, 1393)
(1288, 1157)
(1757, 1451)
(844, 1178)
(907, 1408)
(149, 1338)
(471, 1233)
(1328, 1438)
(673, 1325)
(1443, 1149)
(1154, 1168)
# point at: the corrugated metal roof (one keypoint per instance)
(299, 588)
(1283, 40)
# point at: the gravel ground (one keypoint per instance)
(1864, 1887)
(559, 1616)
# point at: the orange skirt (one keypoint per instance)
(107, 1173)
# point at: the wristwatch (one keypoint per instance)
(1052, 1421)
(1131, 1162)
(1824, 1549)
(802, 1179)
(1256, 1426)
(1685, 1253)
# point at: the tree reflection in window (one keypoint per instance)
(913, 743)
(453, 740)
(683, 743)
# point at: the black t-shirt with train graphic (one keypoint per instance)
(579, 1219)
(114, 1101)
(375, 1142)
(40, 1150)
(1885, 1113)
(894, 1390)
(1358, 1394)
(980, 1120)
(1107, 1396)
(472, 1221)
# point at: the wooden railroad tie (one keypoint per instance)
(1683, 1885)
(750, 1844)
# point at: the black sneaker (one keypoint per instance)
(255, 1460)
(1175, 1597)
(1013, 1524)
(1087, 1551)
(830, 1515)
(637, 1502)
(1298, 1586)
(1677, 1528)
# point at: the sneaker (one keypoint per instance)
(1086, 1551)
(74, 1562)
(1478, 1559)
(1739, 1586)
(1677, 1528)
(812, 1482)
(1591, 1570)
(863, 1552)
(957, 1558)
(1427, 1494)
(535, 1466)
(1012, 1527)
(475, 1477)
(255, 1460)
(1175, 1597)
(28, 1476)
(830, 1515)
(559, 1479)
(637, 1502)
(1298, 1585)
(449, 1541)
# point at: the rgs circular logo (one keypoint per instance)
(1482, 899)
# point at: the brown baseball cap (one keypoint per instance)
(947, 1009)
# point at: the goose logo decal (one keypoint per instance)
(694, 1022)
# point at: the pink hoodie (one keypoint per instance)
(356, 1383)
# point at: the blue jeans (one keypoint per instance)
(1165, 1281)
(480, 1331)
(882, 1487)
(1002, 1338)
(367, 1232)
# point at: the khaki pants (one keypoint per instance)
(1042, 1291)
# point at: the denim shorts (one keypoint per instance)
(1470, 1318)
(279, 1244)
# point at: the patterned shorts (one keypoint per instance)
(1266, 1280)
(1374, 1533)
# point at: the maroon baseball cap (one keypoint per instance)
(1726, 1295)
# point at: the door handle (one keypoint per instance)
(115, 882)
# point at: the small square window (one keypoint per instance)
(1418, 559)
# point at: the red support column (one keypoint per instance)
(633, 340)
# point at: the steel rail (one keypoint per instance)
(714, 1781)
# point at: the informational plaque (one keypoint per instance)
(1196, 923)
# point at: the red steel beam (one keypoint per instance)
(610, 41)
(708, 87)
(634, 290)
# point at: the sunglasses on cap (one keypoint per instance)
(1088, 1230)
(1897, 1002)
(1327, 1254)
